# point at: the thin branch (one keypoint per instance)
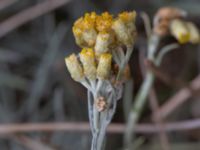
(84, 127)
(179, 98)
(29, 14)
(6, 3)
(42, 73)
(147, 23)
(166, 79)
(30, 143)
(158, 121)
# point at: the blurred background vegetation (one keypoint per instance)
(35, 86)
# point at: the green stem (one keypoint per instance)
(146, 86)
(125, 61)
(127, 97)
(142, 94)
(137, 108)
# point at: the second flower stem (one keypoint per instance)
(142, 94)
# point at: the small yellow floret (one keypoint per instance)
(104, 66)
(127, 16)
(74, 67)
(77, 28)
(89, 20)
(194, 33)
(87, 57)
(124, 27)
(84, 30)
(122, 33)
(104, 22)
(183, 37)
(104, 42)
(85, 23)
(180, 31)
(88, 52)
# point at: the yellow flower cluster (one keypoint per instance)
(87, 66)
(163, 18)
(98, 35)
(184, 32)
(101, 32)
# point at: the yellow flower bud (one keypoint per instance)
(121, 31)
(84, 30)
(194, 33)
(128, 17)
(104, 42)
(77, 31)
(104, 66)
(87, 58)
(124, 27)
(104, 22)
(180, 31)
(89, 37)
(74, 67)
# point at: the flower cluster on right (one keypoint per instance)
(169, 20)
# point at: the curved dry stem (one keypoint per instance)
(164, 51)
(147, 23)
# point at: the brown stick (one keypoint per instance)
(29, 14)
(84, 127)
(163, 77)
(179, 98)
(29, 143)
(6, 3)
(158, 121)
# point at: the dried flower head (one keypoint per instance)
(124, 27)
(74, 67)
(87, 57)
(84, 30)
(169, 13)
(163, 18)
(194, 33)
(104, 66)
(180, 31)
(128, 17)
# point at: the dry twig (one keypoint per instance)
(30, 143)
(29, 14)
(84, 127)
(158, 121)
(179, 98)
(6, 3)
